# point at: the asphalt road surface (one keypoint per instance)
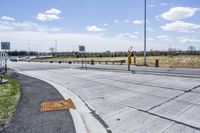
(29, 119)
(131, 102)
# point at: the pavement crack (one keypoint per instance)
(187, 91)
(153, 114)
(198, 86)
(97, 98)
(165, 102)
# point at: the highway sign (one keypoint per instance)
(81, 48)
(5, 45)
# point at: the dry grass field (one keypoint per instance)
(179, 61)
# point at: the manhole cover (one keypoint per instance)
(47, 106)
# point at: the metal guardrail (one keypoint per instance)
(92, 62)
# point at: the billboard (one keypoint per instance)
(81, 48)
(5, 45)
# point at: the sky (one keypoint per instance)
(99, 25)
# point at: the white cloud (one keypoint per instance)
(186, 31)
(127, 36)
(26, 26)
(136, 32)
(137, 21)
(133, 37)
(41, 41)
(150, 29)
(158, 17)
(151, 5)
(53, 11)
(116, 21)
(126, 21)
(105, 24)
(52, 14)
(94, 28)
(180, 26)
(163, 4)
(150, 39)
(164, 37)
(188, 40)
(178, 13)
(45, 17)
(7, 18)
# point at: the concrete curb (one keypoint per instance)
(83, 120)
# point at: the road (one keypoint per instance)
(138, 102)
(135, 69)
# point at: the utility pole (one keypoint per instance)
(145, 33)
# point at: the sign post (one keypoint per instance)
(82, 49)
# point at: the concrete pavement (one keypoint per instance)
(127, 102)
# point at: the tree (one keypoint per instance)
(52, 50)
(191, 48)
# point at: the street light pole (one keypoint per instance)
(145, 33)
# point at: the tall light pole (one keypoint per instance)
(145, 33)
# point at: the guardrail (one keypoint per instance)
(92, 62)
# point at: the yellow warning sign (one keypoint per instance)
(129, 58)
(47, 106)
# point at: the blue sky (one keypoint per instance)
(100, 25)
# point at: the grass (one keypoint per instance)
(9, 96)
(179, 61)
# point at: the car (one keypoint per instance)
(14, 59)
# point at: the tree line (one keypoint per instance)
(170, 52)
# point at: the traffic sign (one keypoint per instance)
(81, 48)
(5, 45)
(129, 58)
